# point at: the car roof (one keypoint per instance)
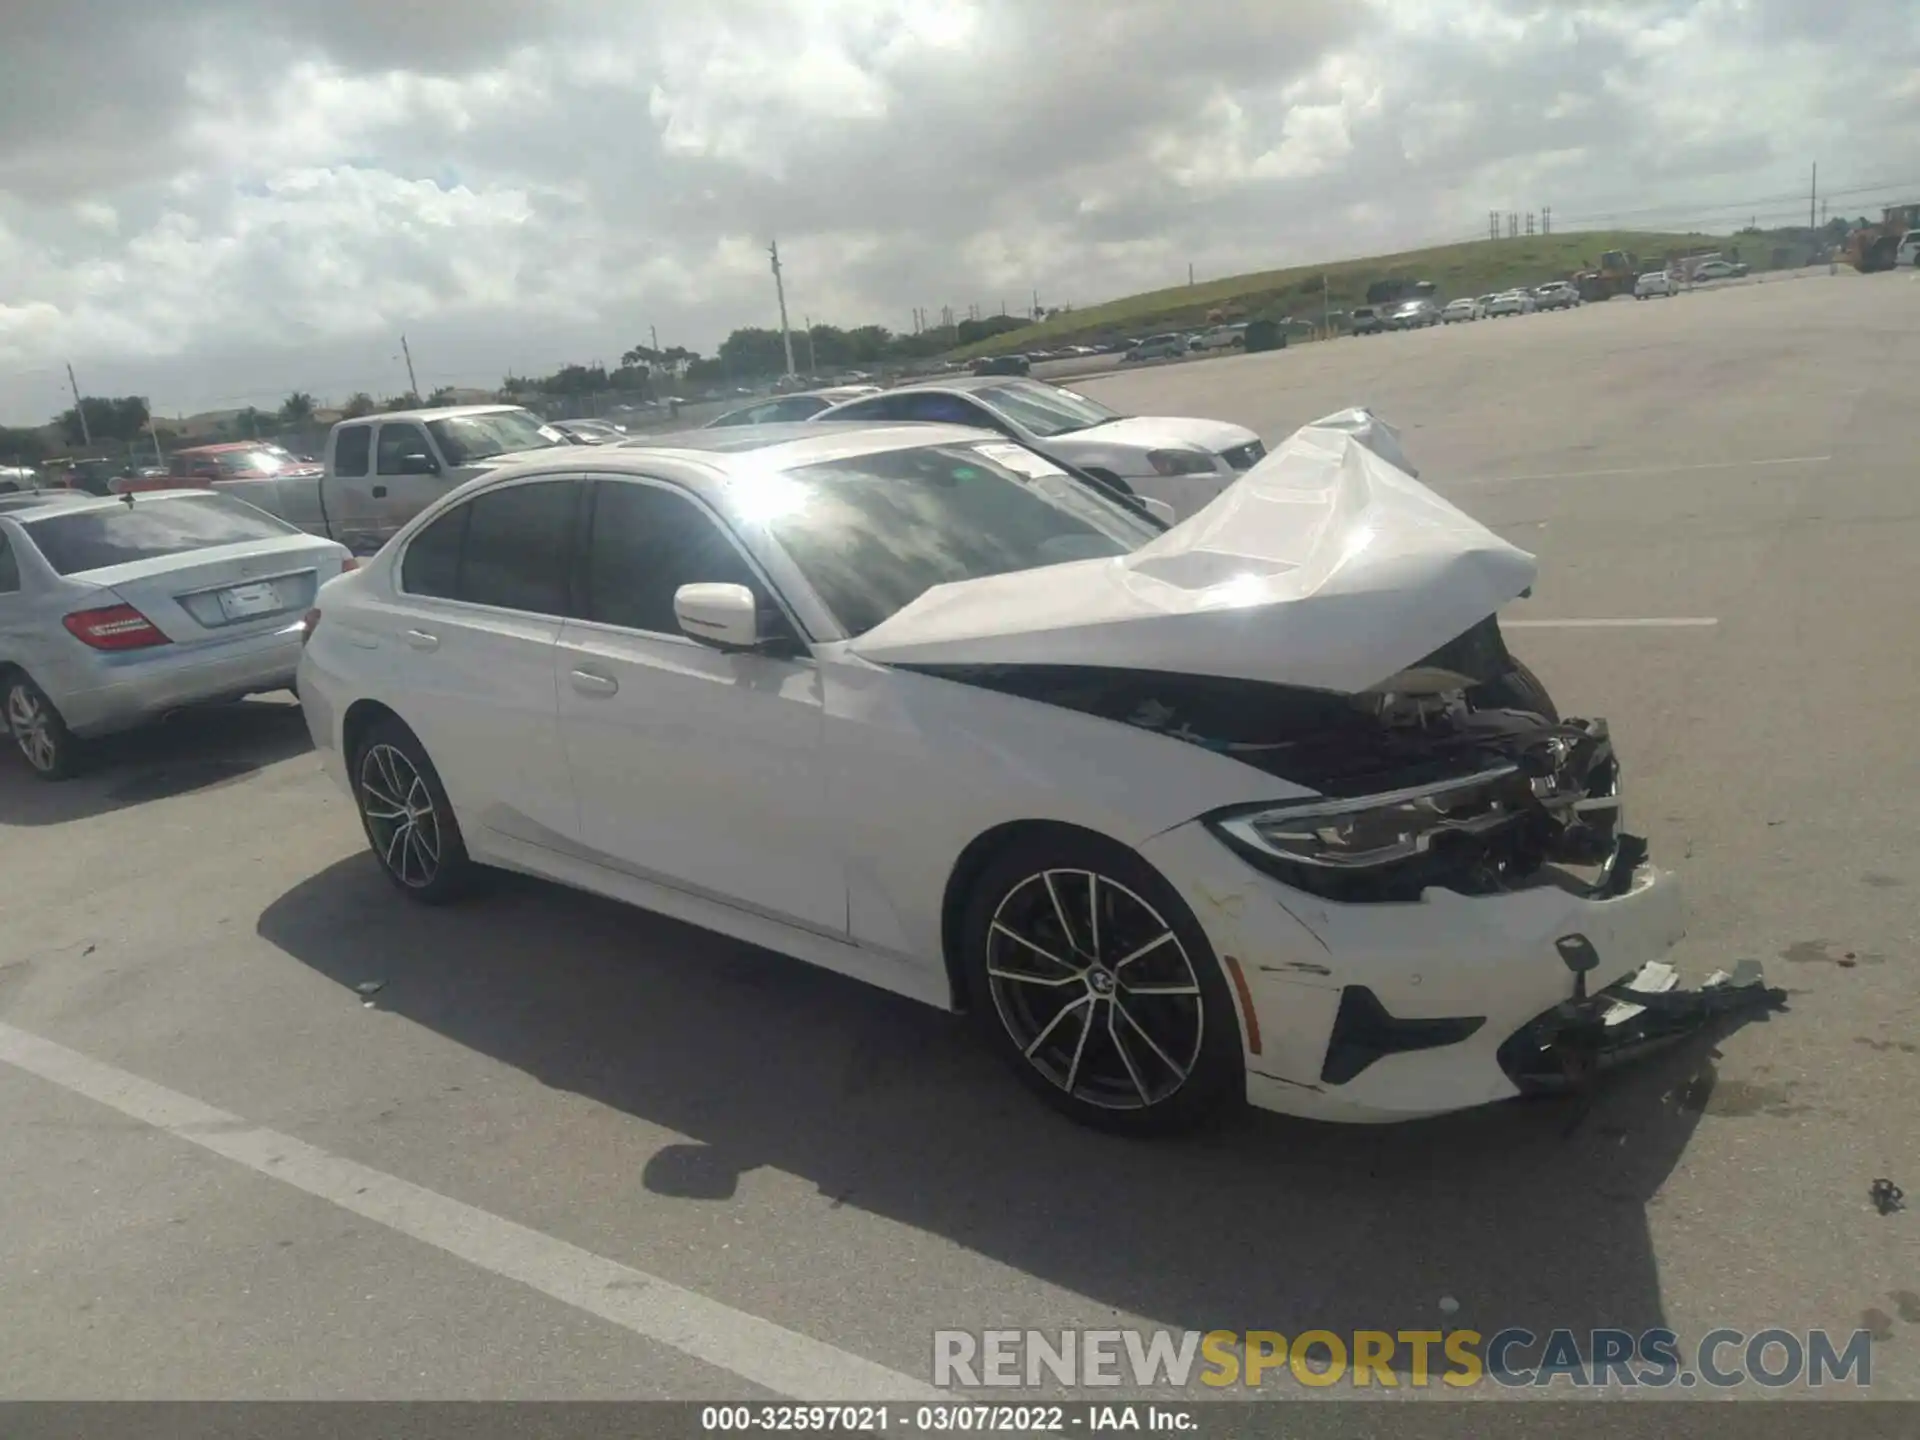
(434, 412)
(72, 500)
(225, 447)
(42, 499)
(713, 459)
(967, 384)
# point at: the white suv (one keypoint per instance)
(1654, 282)
(1909, 249)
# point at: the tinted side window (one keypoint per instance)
(645, 544)
(9, 568)
(397, 443)
(350, 448)
(946, 409)
(515, 555)
(881, 407)
(432, 564)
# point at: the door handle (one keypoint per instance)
(421, 640)
(590, 682)
(379, 492)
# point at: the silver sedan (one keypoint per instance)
(114, 611)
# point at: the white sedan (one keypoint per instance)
(1465, 308)
(1256, 807)
(1654, 282)
(1511, 302)
(1181, 461)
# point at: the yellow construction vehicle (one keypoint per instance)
(1614, 275)
(1876, 247)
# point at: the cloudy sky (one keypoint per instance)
(217, 201)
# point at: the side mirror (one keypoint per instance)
(724, 616)
(1161, 511)
(419, 465)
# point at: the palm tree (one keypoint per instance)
(442, 396)
(359, 403)
(297, 408)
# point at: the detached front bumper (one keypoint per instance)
(1392, 1011)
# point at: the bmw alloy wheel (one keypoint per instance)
(1095, 989)
(400, 814)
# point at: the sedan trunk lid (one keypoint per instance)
(226, 591)
(1156, 432)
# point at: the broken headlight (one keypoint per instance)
(1372, 846)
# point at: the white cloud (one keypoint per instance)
(548, 178)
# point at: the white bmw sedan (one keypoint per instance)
(1256, 807)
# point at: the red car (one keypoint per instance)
(204, 465)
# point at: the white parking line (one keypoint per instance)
(757, 1350)
(1658, 622)
(1649, 469)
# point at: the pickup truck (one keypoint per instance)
(382, 470)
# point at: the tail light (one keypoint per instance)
(114, 627)
(352, 562)
(308, 624)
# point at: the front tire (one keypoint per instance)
(1089, 975)
(408, 819)
(39, 731)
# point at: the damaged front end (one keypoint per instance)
(1564, 1049)
(1434, 778)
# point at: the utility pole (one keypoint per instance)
(153, 429)
(413, 385)
(1813, 195)
(653, 333)
(1036, 304)
(1493, 225)
(1546, 220)
(780, 289)
(807, 320)
(1189, 274)
(86, 434)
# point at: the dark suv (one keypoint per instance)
(1001, 365)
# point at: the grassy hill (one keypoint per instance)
(1471, 269)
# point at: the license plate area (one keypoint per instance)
(247, 602)
(250, 602)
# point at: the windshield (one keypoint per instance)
(464, 439)
(1044, 410)
(78, 541)
(872, 533)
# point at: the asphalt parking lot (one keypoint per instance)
(566, 1150)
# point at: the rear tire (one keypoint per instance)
(38, 729)
(408, 819)
(1114, 1008)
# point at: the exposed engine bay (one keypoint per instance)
(1436, 778)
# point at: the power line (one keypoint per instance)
(1747, 204)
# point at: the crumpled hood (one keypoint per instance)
(1326, 566)
(1153, 432)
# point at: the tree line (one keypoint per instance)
(754, 353)
(645, 371)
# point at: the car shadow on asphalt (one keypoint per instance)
(191, 750)
(1527, 1214)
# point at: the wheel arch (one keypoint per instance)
(973, 862)
(361, 717)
